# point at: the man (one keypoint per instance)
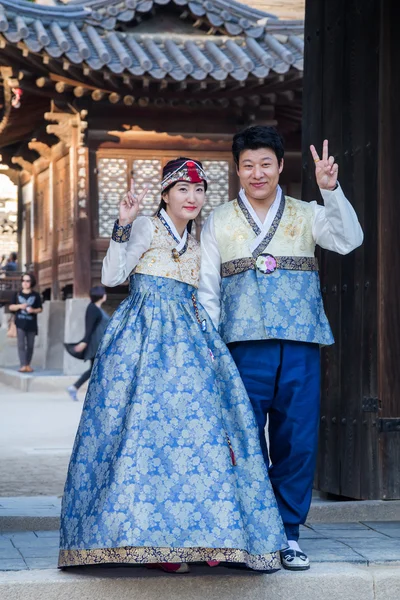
(259, 283)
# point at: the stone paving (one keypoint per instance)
(37, 431)
(35, 443)
(30, 506)
(367, 543)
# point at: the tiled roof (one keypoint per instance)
(234, 16)
(85, 33)
(284, 9)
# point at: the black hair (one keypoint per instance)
(96, 293)
(13, 256)
(256, 137)
(32, 278)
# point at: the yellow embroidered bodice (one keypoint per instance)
(158, 259)
(293, 236)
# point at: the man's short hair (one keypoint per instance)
(256, 137)
(13, 256)
(97, 292)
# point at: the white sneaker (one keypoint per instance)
(294, 560)
(73, 392)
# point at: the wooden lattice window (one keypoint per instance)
(113, 180)
(112, 183)
(218, 186)
(148, 172)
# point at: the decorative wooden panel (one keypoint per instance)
(148, 172)
(63, 199)
(218, 185)
(112, 184)
(43, 212)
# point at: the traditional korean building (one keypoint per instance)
(95, 91)
(91, 92)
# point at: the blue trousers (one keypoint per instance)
(282, 379)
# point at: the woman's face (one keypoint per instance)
(184, 200)
(26, 282)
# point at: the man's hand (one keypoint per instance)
(326, 170)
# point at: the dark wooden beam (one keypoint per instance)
(389, 248)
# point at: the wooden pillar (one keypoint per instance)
(20, 220)
(26, 175)
(82, 233)
(25, 245)
(389, 251)
(351, 95)
(69, 128)
(34, 221)
(55, 288)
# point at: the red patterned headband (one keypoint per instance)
(189, 171)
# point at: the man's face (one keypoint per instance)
(259, 172)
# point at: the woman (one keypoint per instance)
(26, 305)
(96, 321)
(166, 468)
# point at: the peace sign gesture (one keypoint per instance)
(326, 170)
(130, 205)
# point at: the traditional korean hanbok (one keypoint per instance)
(260, 285)
(167, 465)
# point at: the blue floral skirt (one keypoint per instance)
(167, 465)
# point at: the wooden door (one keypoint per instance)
(340, 102)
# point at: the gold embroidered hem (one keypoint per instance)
(150, 555)
(288, 263)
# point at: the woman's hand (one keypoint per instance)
(130, 205)
(16, 307)
(80, 347)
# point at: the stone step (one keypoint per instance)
(30, 513)
(373, 543)
(328, 581)
(39, 381)
(336, 511)
(42, 512)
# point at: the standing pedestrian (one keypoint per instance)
(26, 304)
(96, 321)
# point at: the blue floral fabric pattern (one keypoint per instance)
(284, 305)
(152, 477)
